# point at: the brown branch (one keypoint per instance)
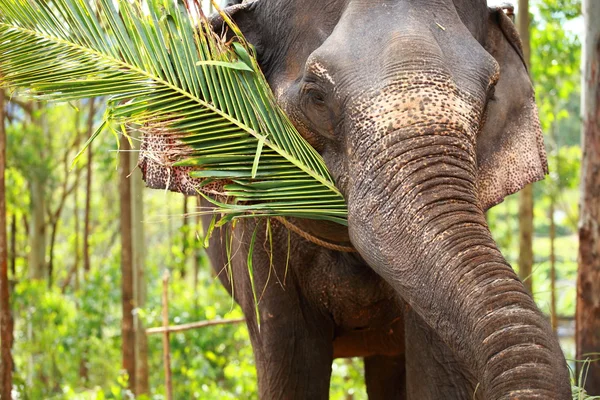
(193, 325)
(27, 106)
(54, 216)
(67, 281)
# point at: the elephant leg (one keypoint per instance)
(432, 371)
(385, 377)
(293, 344)
(293, 352)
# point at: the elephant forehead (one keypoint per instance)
(427, 102)
(318, 69)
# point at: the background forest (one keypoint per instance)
(64, 248)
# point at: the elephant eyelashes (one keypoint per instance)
(317, 98)
(313, 95)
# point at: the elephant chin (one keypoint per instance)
(425, 233)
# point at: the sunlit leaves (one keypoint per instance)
(555, 58)
(174, 79)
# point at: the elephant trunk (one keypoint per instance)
(425, 233)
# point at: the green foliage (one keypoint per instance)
(59, 331)
(178, 82)
(210, 363)
(555, 61)
(555, 57)
(579, 382)
(56, 331)
(347, 380)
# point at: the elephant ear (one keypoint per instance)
(242, 13)
(510, 147)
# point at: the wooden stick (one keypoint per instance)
(193, 325)
(166, 344)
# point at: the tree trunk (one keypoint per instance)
(88, 190)
(127, 287)
(25, 222)
(166, 344)
(141, 340)
(54, 217)
(554, 185)
(37, 231)
(553, 319)
(6, 321)
(83, 364)
(526, 195)
(76, 227)
(76, 224)
(185, 237)
(37, 205)
(197, 256)
(588, 282)
(13, 246)
(54, 227)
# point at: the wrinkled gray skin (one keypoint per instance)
(424, 113)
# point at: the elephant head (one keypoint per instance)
(425, 115)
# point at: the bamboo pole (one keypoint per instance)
(193, 325)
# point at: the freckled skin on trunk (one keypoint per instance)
(431, 367)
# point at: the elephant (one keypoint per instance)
(424, 113)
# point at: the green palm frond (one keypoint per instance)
(164, 70)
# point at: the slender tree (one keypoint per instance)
(552, 187)
(552, 234)
(127, 278)
(526, 195)
(197, 254)
(588, 283)
(83, 364)
(37, 232)
(88, 190)
(185, 237)
(137, 206)
(54, 215)
(6, 321)
(13, 245)
(36, 260)
(76, 247)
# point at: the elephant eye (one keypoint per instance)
(314, 95)
(317, 97)
(316, 107)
